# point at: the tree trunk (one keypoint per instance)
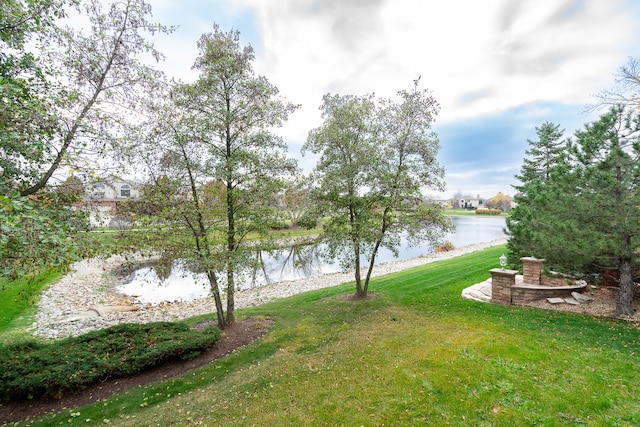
(624, 302)
(231, 317)
(202, 242)
(231, 248)
(231, 225)
(213, 282)
(372, 262)
(360, 292)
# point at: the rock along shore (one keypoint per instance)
(91, 282)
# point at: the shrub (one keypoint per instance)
(35, 369)
(278, 222)
(308, 220)
(278, 225)
(488, 211)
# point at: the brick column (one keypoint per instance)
(501, 283)
(531, 270)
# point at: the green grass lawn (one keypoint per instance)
(18, 298)
(417, 354)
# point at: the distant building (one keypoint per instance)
(102, 198)
(470, 203)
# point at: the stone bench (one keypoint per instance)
(522, 293)
(510, 288)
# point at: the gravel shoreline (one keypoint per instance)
(91, 282)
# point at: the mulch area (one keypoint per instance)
(603, 304)
(242, 332)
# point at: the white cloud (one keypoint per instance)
(477, 57)
(489, 61)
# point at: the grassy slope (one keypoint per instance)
(18, 300)
(416, 355)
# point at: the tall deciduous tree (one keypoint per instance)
(92, 79)
(177, 198)
(375, 158)
(25, 117)
(27, 120)
(37, 236)
(296, 198)
(218, 132)
(234, 112)
(626, 90)
(61, 102)
(34, 232)
(346, 143)
(499, 201)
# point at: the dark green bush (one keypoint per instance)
(279, 225)
(308, 220)
(34, 369)
(278, 222)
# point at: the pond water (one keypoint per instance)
(146, 287)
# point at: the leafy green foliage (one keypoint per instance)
(56, 112)
(38, 235)
(55, 94)
(70, 191)
(20, 19)
(526, 222)
(32, 369)
(296, 200)
(375, 157)
(579, 208)
(215, 165)
(27, 121)
(308, 220)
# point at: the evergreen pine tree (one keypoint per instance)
(606, 206)
(525, 224)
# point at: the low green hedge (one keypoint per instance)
(307, 220)
(34, 369)
(488, 211)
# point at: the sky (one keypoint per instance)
(498, 68)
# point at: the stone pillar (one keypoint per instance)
(501, 283)
(531, 270)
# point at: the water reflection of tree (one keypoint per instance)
(305, 259)
(302, 260)
(163, 267)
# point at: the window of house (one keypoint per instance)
(125, 191)
(99, 189)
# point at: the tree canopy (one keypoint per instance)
(526, 223)
(215, 164)
(626, 89)
(375, 158)
(80, 92)
(579, 203)
(67, 100)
